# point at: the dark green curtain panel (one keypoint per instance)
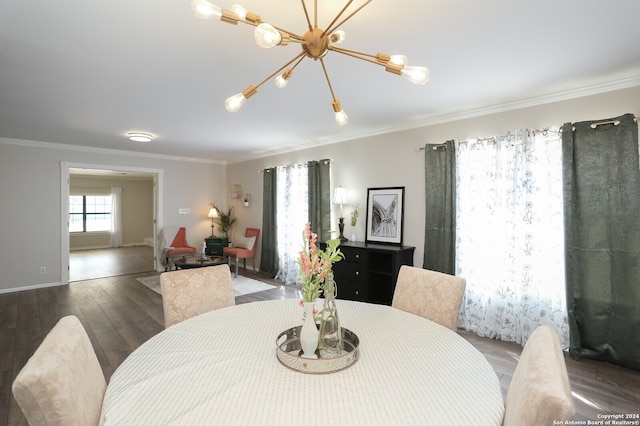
(440, 211)
(602, 239)
(269, 252)
(319, 198)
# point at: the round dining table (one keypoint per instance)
(221, 368)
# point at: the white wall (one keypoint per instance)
(30, 210)
(394, 159)
(30, 187)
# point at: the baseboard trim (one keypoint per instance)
(108, 247)
(29, 287)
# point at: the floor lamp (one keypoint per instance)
(340, 197)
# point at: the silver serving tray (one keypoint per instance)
(288, 351)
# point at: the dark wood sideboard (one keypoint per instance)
(368, 272)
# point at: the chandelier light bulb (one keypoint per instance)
(283, 79)
(240, 11)
(266, 36)
(416, 75)
(204, 10)
(342, 118)
(235, 102)
(338, 36)
(399, 60)
(281, 82)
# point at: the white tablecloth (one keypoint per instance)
(221, 368)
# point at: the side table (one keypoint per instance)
(215, 245)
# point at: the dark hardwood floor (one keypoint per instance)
(120, 314)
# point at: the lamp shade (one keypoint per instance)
(340, 195)
(213, 212)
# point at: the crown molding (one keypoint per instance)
(66, 147)
(559, 96)
(426, 121)
(566, 95)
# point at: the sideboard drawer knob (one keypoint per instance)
(357, 273)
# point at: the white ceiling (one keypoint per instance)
(85, 72)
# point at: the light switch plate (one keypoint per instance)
(184, 211)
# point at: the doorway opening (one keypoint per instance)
(88, 255)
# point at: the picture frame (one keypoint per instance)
(385, 215)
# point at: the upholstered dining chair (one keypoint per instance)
(179, 248)
(539, 393)
(190, 292)
(244, 248)
(62, 383)
(430, 294)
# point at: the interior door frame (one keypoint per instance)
(158, 190)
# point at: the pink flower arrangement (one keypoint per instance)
(315, 263)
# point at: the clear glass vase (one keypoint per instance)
(330, 339)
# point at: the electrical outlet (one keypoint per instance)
(43, 270)
(184, 211)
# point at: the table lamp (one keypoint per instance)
(340, 197)
(213, 213)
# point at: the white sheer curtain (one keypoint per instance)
(293, 214)
(116, 217)
(509, 244)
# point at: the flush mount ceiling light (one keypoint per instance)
(316, 43)
(139, 137)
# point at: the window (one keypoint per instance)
(293, 213)
(89, 213)
(510, 235)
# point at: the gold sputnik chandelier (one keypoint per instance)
(316, 43)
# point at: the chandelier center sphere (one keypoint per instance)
(316, 44)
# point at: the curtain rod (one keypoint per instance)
(302, 164)
(602, 123)
(542, 131)
(507, 137)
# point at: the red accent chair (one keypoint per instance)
(244, 248)
(179, 248)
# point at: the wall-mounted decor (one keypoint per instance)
(385, 210)
(235, 191)
(246, 200)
